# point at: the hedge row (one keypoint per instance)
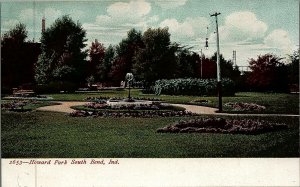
(198, 87)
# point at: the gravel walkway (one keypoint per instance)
(197, 109)
(62, 107)
(65, 106)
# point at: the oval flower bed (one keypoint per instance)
(96, 99)
(220, 125)
(132, 113)
(238, 106)
(119, 107)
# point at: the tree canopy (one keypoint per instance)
(62, 57)
(156, 60)
(15, 57)
(268, 74)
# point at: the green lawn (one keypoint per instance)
(49, 135)
(274, 102)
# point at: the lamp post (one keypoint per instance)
(129, 78)
(219, 85)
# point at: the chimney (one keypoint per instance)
(43, 25)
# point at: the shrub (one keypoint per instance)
(192, 86)
(55, 87)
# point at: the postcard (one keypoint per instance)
(150, 93)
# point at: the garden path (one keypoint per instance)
(64, 106)
(197, 109)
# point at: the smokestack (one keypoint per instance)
(43, 25)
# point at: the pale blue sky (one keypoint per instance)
(251, 27)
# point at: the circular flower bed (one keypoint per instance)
(118, 107)
(220, 125)
(238, 106)
(144, 114)
(95, 99)
(139, 106)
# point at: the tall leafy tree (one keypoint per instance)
(156, 60)
(293, 68)
(125, 53)
(96, 54)
(268, 74)
(227, 69)
(63, 57)
(109, 57)
(13, 55)
(187, 63)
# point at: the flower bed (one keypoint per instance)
(120, 98)
(18, 105)
(220, 125)
(143, 114)
(245, 106)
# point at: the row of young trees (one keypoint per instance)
(149, 56)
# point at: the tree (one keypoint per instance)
(95, 67)
(293, 68)
(187, 63)
(227, 69)
(63, 57)
(157, 59)
(125, 52)
(268, 74)
(13, 55)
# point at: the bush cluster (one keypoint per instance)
(220, 125)
(55, 87)
(193, 86)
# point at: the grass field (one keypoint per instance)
(50, 134)
(275, 103)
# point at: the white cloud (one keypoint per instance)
(120, 17)
(170, 4)
(242, 27)
(279, 39)
(137, 8)
(121, 13)
(189, 29)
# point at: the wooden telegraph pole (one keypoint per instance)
(219, 85)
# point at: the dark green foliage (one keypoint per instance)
(17, 58)
(200, 87)
(125, 53)
(268, 74)
(293, 71)
(157, 59)
(56, 87)
(187, 63)
(62, 58)
(98, 68)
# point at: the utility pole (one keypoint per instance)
(219, 85)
